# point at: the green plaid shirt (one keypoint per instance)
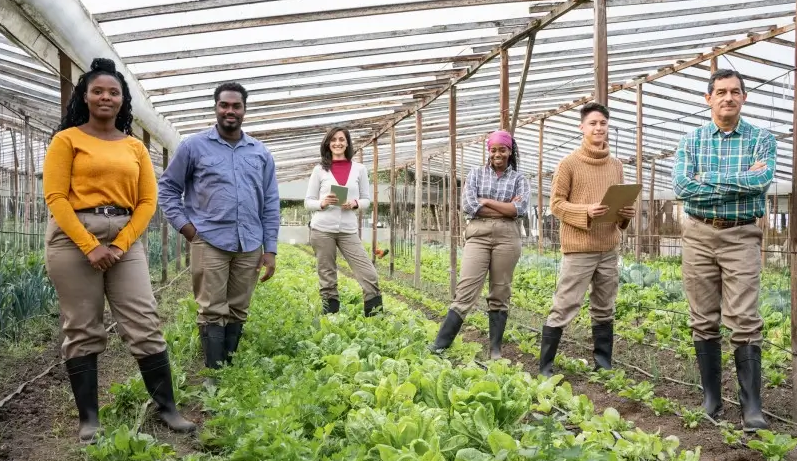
(726, 188)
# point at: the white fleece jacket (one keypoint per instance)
(333, 218)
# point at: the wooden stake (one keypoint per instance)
(164, 232)
(522, 84)
(639, 134)
(375, 203)
(429, 194)
(359, 210)
(65, 69)
(452, 196)
(540, 214)
(793, 244)
(392, 253)
(652, 209)
(418, 194)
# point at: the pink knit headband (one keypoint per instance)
(500, 137)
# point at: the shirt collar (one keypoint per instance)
(507, 172)
(740, 127)
(213, 134)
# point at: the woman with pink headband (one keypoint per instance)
(494, 197)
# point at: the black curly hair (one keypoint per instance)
(77, 111)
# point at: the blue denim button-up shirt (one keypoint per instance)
(231, 193)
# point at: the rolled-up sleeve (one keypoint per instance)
(522, 190)
(470, 197)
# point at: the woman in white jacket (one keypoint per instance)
(334, 224)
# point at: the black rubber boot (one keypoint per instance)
(548, 347)
(157, 375)
(213, 344)
(497, 327)
(83, 378)
(748, 370)
(709, 361)
(603, 339)
(373, 306)
(448, 331)
(331, 306)
(232, 336)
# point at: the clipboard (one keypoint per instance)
(341, 193)
(618, 196)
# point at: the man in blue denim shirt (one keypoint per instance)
(230, 213)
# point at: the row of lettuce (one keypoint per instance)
(342, 387)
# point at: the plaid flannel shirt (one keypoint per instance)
(483, 182)
(725, 188)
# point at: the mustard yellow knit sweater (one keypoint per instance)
(582, 178)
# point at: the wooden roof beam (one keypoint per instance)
(295, 18)
(283, 44)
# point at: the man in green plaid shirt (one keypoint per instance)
(722, 173)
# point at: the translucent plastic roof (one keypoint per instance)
(369, 65)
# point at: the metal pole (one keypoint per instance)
(164, 232)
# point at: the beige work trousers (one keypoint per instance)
(223, 282)
(578, 272)
(492, 247)
(326, 245)
(82, 291)
(721, 271)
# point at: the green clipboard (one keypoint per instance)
(341, 193)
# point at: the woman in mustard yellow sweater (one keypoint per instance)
(100, 187)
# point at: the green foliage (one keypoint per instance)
(25, 292)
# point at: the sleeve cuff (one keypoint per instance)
(180, 222)
(270, 247)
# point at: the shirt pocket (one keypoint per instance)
(255, 161)
(209, 160)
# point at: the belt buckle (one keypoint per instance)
(106, 210)
(716, 223)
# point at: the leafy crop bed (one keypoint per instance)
(305, 387)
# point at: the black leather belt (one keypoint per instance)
(107, 210)
(719, 223)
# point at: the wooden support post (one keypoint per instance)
(164, 233)
(504, 89)
(540, 214)
(713, 67)
(145, 235)
(444, 203)
(764, 223)
(639, 134)
(452, 202)
(65, 69)
(793, 244)
(359, 210)
(187, 250)
(392, 253)
(30, 177)
(652, 210)
(429, 195)
(375, 203)
(460, 238)
(484, 152)
(15, 182)
(601, 54)
(522, 85)
(418, 194)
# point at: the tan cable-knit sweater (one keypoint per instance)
(582, 179)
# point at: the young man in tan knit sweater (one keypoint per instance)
(590, 249)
